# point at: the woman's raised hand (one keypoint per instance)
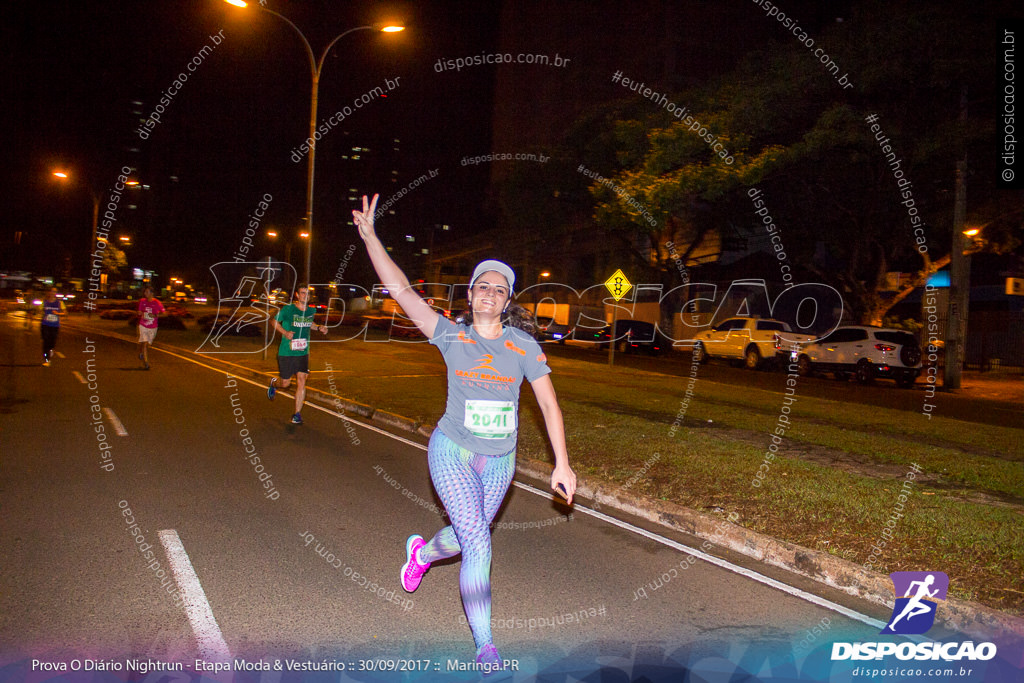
(364, 219)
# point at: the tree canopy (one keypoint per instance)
(844, 194)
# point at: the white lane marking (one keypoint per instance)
(367, 426)
(212, 647)
(118, 427)
(78, 376)
(282, 392)
(724, 564)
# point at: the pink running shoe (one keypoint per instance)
(412, 570)
(490, 659)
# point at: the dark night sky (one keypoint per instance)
(74, 68)
(227, 134)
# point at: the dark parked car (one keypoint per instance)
(634, 335)
(552, 331)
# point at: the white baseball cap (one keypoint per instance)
(497, 267)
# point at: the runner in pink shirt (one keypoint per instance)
(149, 310)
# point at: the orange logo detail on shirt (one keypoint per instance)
(512, 347)
(541, 358)
(462, 338)
(485, 363)
(485, 378)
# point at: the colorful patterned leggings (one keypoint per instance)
(471, 486)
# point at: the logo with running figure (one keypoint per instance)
(485, 363)
(917, 598)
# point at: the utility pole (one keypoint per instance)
(959, 272)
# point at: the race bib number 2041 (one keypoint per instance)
(490, 419)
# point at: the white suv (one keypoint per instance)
(867, 352)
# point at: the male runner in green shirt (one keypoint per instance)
(294, 322)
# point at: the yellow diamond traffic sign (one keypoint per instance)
(618, 285)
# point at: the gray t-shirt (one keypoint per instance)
(484, 376)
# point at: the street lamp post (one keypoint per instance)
(959, 274)
(273, 235)
(959, 287)
(315, 68)
(63, 176)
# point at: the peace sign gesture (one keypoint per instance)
(364, 219)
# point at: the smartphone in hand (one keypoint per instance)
(560, 490)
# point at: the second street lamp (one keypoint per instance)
(64, 176)
(315, 67)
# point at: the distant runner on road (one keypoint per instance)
(49, 325)
(294, 323)
(150, 309)
(472, 451)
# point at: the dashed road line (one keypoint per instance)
(212, 647)
(116, 423)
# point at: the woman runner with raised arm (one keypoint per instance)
(472, 451)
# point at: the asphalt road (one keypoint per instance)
(279, 572)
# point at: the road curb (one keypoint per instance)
(393, 420)
(851, 578)
(343, 405)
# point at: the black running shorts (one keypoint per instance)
(288, 366)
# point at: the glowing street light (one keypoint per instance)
(64, 176)
(315, 68)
